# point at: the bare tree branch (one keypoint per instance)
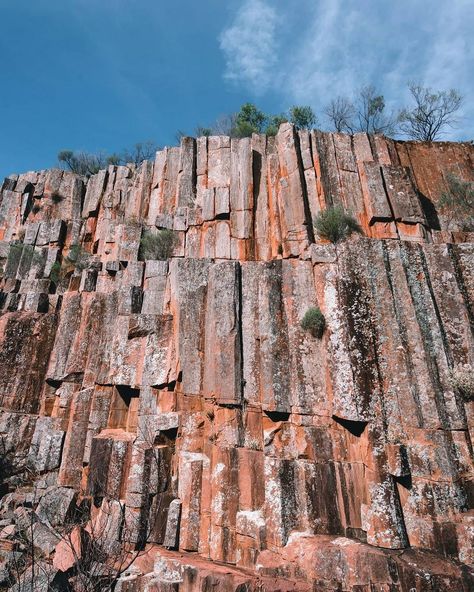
(432, 113)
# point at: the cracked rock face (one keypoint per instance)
(183, 401)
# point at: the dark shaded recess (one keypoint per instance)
(127, 393)
(13, 304)
(3, 299)
(169, 386)
(136, 300)
(158, 516)
(230, 405)
(190, 576)
(257, 177)
(356, 428)
(392, 569)
(8, 184)
(323, 502)
(289, 511)
(223, 216)
(467, 486)
(83, 195)
(331, 190)
(168, 436)
(404, 480)
(63, 234)
(16, 287)
(445, 538)
(154, 512)
(98, 473)
(95, 247)
(7, 470)
(404, 460)
(400, 518)
(239, 354)
(29, 189)
(54, 383)
(307, 210)
(43, 303)
(429, 211)
(82, 510)
(60, 583)
(277, 416)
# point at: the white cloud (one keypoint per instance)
(250, 44)
(339, 45)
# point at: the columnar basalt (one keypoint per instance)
(186, 400)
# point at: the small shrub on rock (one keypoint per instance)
(77, 258)
(462, 380)
(335, 225)
(314, 322)
(457, 203)
(56, 197)
(55, 273)
(15, 252)
(158, 246)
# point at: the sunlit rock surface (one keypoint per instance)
(186, 399)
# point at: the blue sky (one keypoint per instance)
(103, 74)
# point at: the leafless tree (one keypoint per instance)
(371, 114)
(224, 125)
(100, 544)
(140, 152)
(366, 114)
(87, 163)
(82, 163)
(432, 113)
(99, 538)
(341, 113)
(25, 564)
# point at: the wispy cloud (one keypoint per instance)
(249, 45)
(339, 45)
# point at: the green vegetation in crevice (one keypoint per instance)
(314, 322)
(335, 224)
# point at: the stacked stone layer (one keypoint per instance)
(187, 390)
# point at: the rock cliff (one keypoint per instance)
(182, 399)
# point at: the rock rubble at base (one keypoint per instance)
(186, 390)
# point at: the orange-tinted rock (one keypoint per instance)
(186, 401)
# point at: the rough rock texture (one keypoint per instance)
(186, 391)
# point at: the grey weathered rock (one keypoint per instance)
(172, 525)
(56, 506)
